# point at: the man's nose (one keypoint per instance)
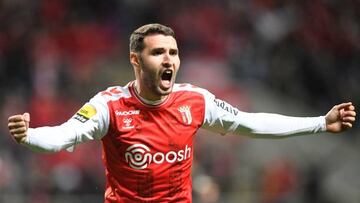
(166, 64)
(166, 61)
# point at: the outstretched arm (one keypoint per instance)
(223, 118)
(89, 123)
(50, 139)
(341, 117)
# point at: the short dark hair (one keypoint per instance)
(137, 37)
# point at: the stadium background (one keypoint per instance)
(291, 57)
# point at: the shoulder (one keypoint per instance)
(190, 88)
(114, 93)
(187, 87)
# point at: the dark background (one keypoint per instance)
(285, 56)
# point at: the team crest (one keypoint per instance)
(185, 114)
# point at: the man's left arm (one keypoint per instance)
(223, 118)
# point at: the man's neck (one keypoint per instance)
(147, 99)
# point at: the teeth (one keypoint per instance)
(167, 75)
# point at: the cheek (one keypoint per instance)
(177, 64)
(149, 74)
(149, 67)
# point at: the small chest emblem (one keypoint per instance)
(185, 114)
(127, 119)
(128, 123)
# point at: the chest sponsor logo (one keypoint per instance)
(127, 113)
(185, 114)
(139, 156)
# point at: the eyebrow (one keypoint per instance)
(163, 49)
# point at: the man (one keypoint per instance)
(147, 127)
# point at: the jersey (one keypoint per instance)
(148, 147)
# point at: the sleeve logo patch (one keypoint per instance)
(85, 113)
(227, 107)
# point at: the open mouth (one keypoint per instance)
(166, 75)
(166, 78)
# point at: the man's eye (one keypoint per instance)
(155, 53)
(173, 53)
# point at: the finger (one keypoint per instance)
(26, 117)
(20, 138)
(343, 105)
(349, 113)
(13, 125)
(16, 131)
(15, 118)
(348, 119)
(19, 135)
(347, 124)
(351, 108)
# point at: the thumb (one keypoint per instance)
(26, 117)
(343, 105)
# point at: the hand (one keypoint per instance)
(18, 126)
(340, 118)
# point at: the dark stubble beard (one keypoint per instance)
(149, 80)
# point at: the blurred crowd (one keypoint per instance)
(56, 54)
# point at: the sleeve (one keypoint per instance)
(223, 118)
(91, 122)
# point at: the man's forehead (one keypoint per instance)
(160, 41)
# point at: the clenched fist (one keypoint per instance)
(340, 117)
(18, 126)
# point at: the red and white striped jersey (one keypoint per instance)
(148, 148)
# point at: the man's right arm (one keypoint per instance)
(89, 123)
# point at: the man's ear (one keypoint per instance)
(134, 59)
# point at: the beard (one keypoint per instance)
(151, 81)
